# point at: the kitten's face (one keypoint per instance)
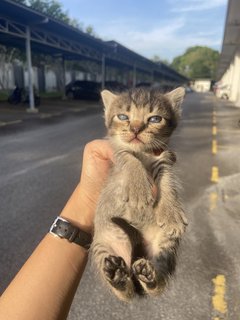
(141, 119)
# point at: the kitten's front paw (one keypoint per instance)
(168, 156)
(139, 193)
(173, 224)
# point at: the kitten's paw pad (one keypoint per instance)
(115, 271)
(144, 271)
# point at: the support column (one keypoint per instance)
(134, 75)
(103, 70)
(152, 76)
(30, 78)
(64, 78)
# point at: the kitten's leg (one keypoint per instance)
(169, 212)
(137, 187)
(112, 255)
(154, 272)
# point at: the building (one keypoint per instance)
(201, 85)
(229, 63)
(34, 32)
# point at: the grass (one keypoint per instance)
(51, 95)
(4, 95)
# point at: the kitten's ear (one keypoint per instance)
(176, 98)
(108, 98)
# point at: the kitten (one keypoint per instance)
(136, 232)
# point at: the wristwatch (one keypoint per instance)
(66, 230)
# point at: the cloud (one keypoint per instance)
(167, 40)
(195, 5)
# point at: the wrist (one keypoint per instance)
(79, 210)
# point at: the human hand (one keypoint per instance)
(97, 159)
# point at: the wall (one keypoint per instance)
(201, 85)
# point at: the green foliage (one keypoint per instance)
(157, 59)
(197, 62)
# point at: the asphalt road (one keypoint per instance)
(40, 165)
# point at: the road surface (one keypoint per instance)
(40, 165)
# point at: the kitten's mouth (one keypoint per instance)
(135, 140)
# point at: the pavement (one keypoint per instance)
(49, 109)
(39, 168)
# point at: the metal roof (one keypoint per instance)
(231, 39)
(54, 37)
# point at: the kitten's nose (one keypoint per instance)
(136, 127)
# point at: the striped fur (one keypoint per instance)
(137, 229)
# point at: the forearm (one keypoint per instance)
(36, 292)
(44, 288)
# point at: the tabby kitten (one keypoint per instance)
(137, 230)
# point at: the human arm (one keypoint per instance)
(45, 286)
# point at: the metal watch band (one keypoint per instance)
(64, 229)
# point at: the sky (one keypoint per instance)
(154, 27)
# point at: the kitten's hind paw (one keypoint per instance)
(145, 273)
(116, 272)
(147, 276)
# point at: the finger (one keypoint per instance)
(100, 149)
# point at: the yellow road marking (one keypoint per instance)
(214, 130)
(218, 299)
(213, 200)
(215, 175)
(214, 147)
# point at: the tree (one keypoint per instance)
(157, 59)
(197, 62)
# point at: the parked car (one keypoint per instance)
(223, 91)
(115, 86)
(82, 89)
(143, 84)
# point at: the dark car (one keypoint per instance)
(143, 84)
(83, 89)
(115, 86)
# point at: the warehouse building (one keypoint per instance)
(229, 63)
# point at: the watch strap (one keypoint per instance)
(66, 230)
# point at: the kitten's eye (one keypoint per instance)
(155, 119)
(122, 117)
